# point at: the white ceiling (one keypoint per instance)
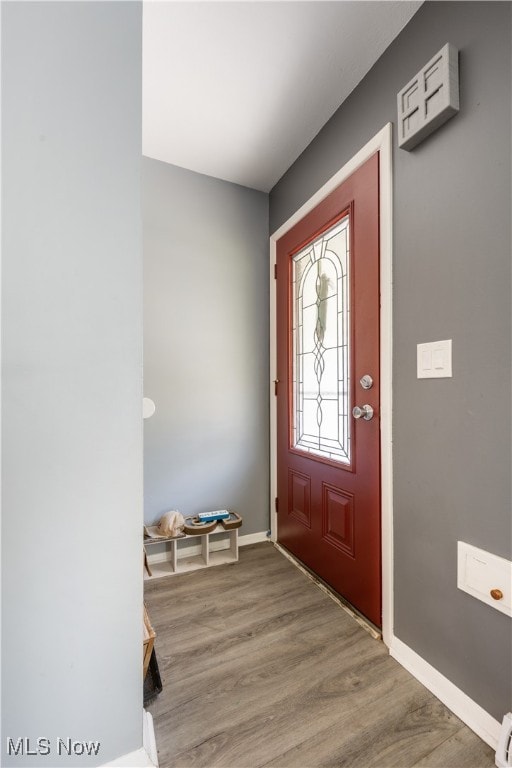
(237, 90)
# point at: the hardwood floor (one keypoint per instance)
(262, 668)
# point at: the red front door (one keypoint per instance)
(328, 474)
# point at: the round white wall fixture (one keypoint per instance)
(148, 407)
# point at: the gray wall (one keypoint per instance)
(205, 345)
(71, 377)
(451, 261)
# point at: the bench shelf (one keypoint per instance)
(191, 552)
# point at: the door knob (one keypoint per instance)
(366, 411)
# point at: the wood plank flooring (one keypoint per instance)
(261, 668)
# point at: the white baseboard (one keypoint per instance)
(252, 538)
(471, 713)
(146, 756)
(137, 759)
(149, 738)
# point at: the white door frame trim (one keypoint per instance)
(382, 143)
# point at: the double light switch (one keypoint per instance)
(434, 359)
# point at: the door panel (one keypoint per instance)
(327, 340)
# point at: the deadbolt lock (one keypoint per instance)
(366, 381)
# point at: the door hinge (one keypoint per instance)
(277, 505)
(276, 385)
(275, 271)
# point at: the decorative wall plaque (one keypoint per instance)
(429, 99)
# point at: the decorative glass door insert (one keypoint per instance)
(321, 345)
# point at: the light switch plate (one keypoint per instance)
(480, 572)
(434, 360)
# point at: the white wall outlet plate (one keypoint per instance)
(434, 360)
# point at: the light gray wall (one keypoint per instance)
(451, 262)
(71, 377)
(205, 345)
